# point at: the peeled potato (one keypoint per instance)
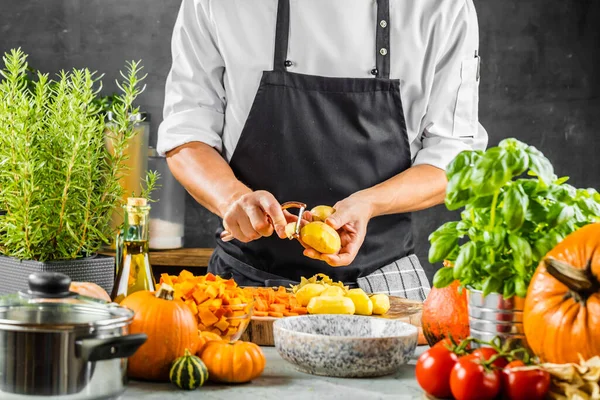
(307, 292)
(330, 305)
(381, 303)
(320, 213)
(290, 230)
(321, 237)
(333, 291)
(362, 303)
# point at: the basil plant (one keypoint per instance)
(515, 210)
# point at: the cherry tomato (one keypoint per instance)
(433, 371)
(444, 343)
(485, 353)
(469, 380)
(531, 384)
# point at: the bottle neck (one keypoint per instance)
(136, 223)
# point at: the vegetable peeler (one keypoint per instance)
(226, 236)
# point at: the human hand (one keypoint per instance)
(255, 215)
(350, 220)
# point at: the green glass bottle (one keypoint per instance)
(134, 269)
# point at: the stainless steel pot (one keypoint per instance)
(494, 316)
(57, 344)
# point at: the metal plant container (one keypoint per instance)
(494, 316)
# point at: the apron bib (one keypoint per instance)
(318, 140)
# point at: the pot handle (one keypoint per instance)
(109, 348)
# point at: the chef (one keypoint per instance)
(358, 104)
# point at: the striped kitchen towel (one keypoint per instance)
(403, 278)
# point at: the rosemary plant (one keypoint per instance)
(58, 182)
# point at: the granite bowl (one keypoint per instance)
(346, 346)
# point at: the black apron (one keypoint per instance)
(318, 140)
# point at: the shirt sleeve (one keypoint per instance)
(451, 123)
(194, 93)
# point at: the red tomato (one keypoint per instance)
(529, 384)
(470, 381)
(444, 343)
(485, 353)
(433, 371)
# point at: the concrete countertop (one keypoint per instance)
(280, 381)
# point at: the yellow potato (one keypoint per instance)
(320, 213)
(381, 303)
(330, 305)
(333, 291)
(307, 292)
(321, 237)
(362, 303)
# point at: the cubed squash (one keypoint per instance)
(222, 324)
(207, 317)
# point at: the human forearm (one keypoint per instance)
(206, 176)
(417, 188)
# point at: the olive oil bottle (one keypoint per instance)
(134, 269)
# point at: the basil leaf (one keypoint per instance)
(520, 287)
(491, 285)
(540, 165)
(515, 207)
(542, 246)
(445, 229)
(442, 246)
(498, 270)
(536, 212)
(589, 206)
(465, 257)
(522, 253)
(443, 277)
(492, 172)
(518, 161)
(509, 289)
(512, 144)
(463, 161)
(566, 214)
(561, 180)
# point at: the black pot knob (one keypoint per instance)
(49, 285)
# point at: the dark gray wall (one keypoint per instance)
(538, 81)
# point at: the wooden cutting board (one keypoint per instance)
(260, 329)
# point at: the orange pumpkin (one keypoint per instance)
(205, 337)
(89, 289)
(235, 362)
(171, 328)
(562, 308)
(445, 313)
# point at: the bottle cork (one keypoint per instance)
(136, 201)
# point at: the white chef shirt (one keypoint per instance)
(221, 47)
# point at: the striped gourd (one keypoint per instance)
(188, 372)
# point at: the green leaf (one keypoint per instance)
(512, 144)
(561, 180)
(520, 287)
(491, 285)
(509, 289)
(542, 246)
(462, 162)
(566, 214)
(491, 172)
(448, 228)
(540, 165)
(522, 253)
(465, 257)
(441, 246)
(443, 277)
(515, 207)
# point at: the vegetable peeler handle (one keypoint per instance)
(226, 236)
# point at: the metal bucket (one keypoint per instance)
(494, 316)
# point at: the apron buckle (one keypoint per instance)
(226, 236)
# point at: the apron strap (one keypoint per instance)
(282, 31)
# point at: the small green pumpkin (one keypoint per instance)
(188, 372)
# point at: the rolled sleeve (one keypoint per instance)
(451, 124)
(194, 93)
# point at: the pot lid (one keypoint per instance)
(48, 305)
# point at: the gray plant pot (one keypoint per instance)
(97, 269)
(493, 315)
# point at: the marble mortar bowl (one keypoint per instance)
(345, 346)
